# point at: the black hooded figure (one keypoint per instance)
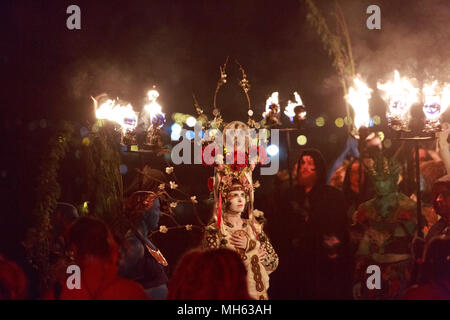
(316, 235)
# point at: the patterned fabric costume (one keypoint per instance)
(383, 230)
(219, 232)
(258, 272)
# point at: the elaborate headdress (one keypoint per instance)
(237, 166)
(227, 175)
(381, 168)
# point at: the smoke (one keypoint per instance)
(414, 38)
(91, 78)
(125, 59)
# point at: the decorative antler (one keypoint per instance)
(197, 106)
(245, 85)
(222, 81)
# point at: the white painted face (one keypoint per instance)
(236, 201)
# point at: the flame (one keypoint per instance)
(436, 101)
(358, 97)
(289, 109)
(400, 94)
(430, 93)
(273, 99)
(122, 115)
(153, 108)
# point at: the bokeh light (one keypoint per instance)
(320, 121)
(339, 122)
(348, 120)
(272, 150)
(175, 128)
(376, 120)
(175, 136)
(190, 134)
(301, 140)
(191, 121)
(178, 117)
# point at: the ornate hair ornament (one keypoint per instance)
(381, 168)
(233, 165)
(217, 122)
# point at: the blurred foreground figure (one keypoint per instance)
(441, 204)
(63, 218)
(435, 273)
(383, 231)
(13, 284)
(214, 274)
(95, 252)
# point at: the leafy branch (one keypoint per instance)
(333, 42)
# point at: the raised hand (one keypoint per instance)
(262, 254)
(239, 241)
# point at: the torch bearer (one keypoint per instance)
(296, 112)
(358, 97)
(153, 119)
(400, 95)
(122, 116)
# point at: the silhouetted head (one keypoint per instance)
(216, 274)
(436, 267)
(441, 197)
(13, 283)
(91, 237)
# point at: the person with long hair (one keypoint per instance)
(95, 252)
(213, 274)
(319, 233)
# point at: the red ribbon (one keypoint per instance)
(219, 210)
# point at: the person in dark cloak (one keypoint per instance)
(316, 235)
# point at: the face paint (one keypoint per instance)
(236, 201)
(384, 186)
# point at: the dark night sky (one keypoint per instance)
(125, 47)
